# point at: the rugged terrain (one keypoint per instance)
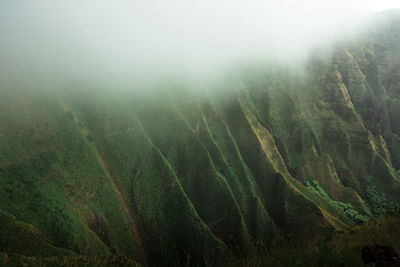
(177, 175)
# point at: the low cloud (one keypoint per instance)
(121, 43)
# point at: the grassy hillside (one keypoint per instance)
(177, 176)
(343, 248)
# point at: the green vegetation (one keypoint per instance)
(346, 208)
(378, 202)
(340, 249)
(19, 260)
(200, 178)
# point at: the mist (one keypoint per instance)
(125, 44)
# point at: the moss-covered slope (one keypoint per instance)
(189, 176)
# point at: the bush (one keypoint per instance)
(346, 208)
(378, 203)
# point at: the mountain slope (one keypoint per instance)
(184, 176)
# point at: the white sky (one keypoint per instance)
(380, 5)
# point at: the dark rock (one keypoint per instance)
(375, 255)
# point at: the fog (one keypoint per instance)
(121, 43)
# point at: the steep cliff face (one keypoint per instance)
(192, 176)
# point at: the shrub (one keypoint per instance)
(346, 208)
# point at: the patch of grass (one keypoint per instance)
(340, 249)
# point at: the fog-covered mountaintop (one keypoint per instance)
(201, 177)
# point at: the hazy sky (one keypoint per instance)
(376, 5)
(123, 41)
